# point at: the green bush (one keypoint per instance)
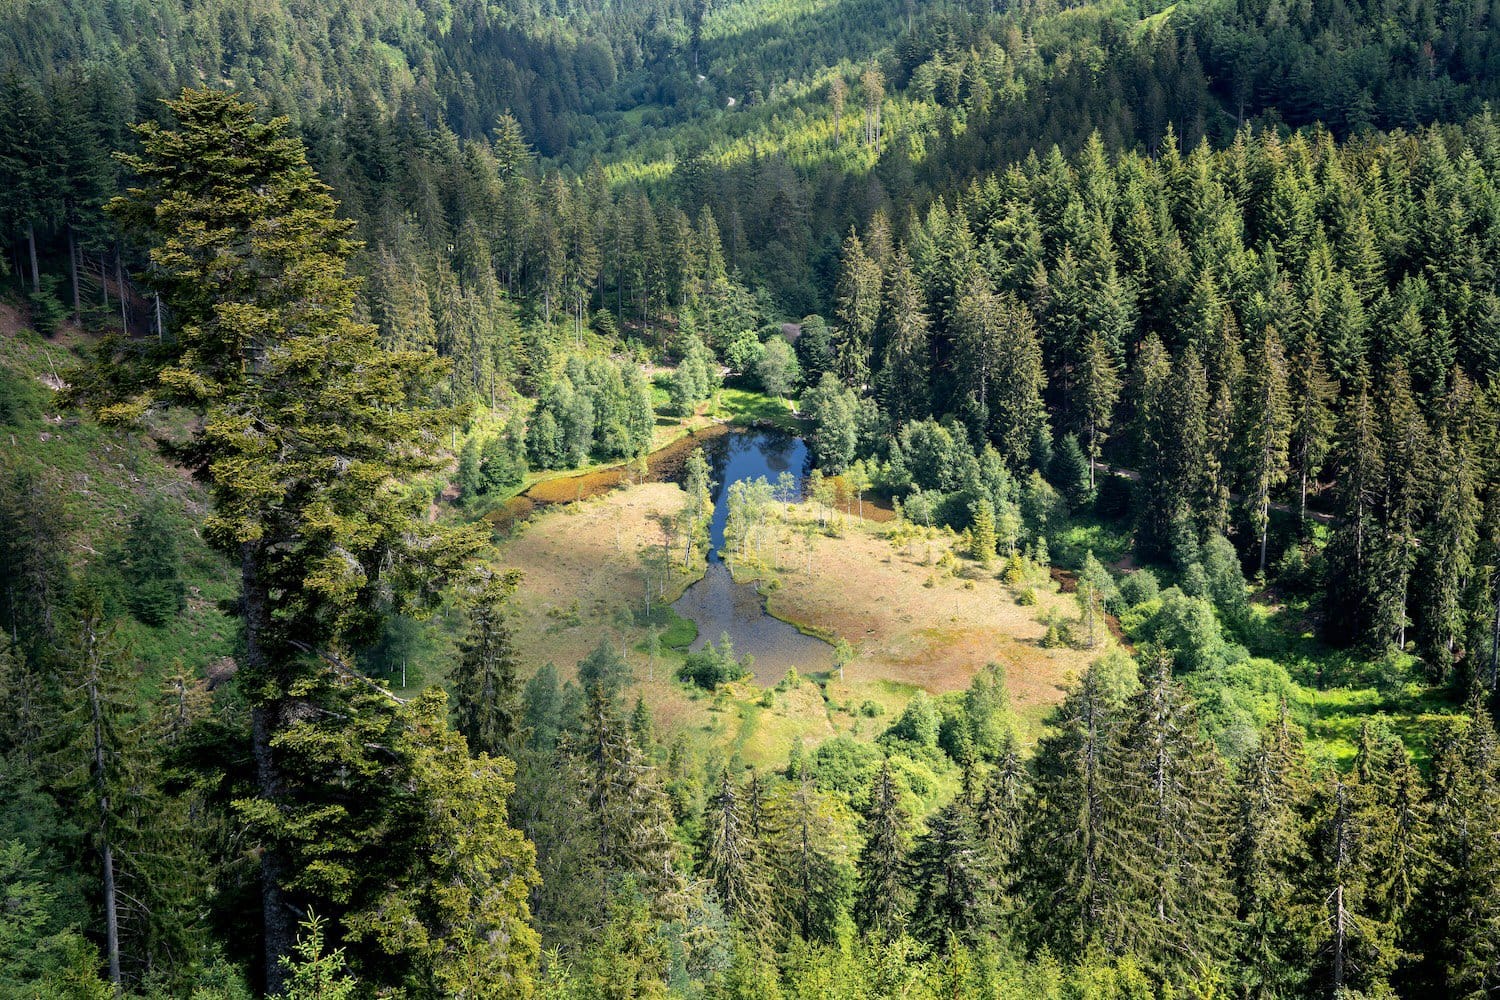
(153, 565)
(47, 310)
(846, 766)
(1139, 587)
(710, 666)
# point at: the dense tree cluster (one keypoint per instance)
(1236, 330)
(1056, 265)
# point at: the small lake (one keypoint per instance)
(716, 603)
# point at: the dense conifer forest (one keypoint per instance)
(1159, 345)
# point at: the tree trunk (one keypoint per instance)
(1302, 504)
(120, 290)
(36, 273)
(106, 850)
(1265, 529)
(73, 273)
(1093, 453)
(279, 927)
(1339, 936)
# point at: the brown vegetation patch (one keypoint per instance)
(877, 596)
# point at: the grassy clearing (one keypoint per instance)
(914, 624)
(915, 614)
(99, 478)
(751, 408)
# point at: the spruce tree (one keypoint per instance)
(1406, 444)
(859, 297)
(1098, 391)
(806, 857)
(308, 426)
(1174, 895)
(955, 880)
(1073, 828)
(486, 688)
(1311, 394)
(1451, 535)
(629, 825)
(1458, 917)
(1265, 432)
(904, 381)
(881, 897)
(731, 860)
(1267, 853)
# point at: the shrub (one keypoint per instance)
(1139, 587)
(845, 766)
(153, 565)
(711, 666)
(918, 723)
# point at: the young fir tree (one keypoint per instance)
(1267, 853)
(153, 565)
(486, 688)
(881, 893)
(1098, 390)
(697, 506)
(308, 427)
(1174, 895)
(982, 532)
(731, 859)
(1265, 432)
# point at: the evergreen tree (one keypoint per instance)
(1098, 390)
(1459, 908)
(982, 532)
(1451, 537)
(307, 427)
(881, 898)
(629, 827)
(859, 302)
(153, 565)
(1311, 395)
(486, 690)
(731, 859)
(955, 880)
(1172, 852)
(904, 380)
(806, 858)
(1074, 828)
(1266, 425)
(1267, 854)
(1017, 414)
(1406, 445)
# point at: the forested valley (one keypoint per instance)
(1124, 380)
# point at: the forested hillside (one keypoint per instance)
(1158, 345)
